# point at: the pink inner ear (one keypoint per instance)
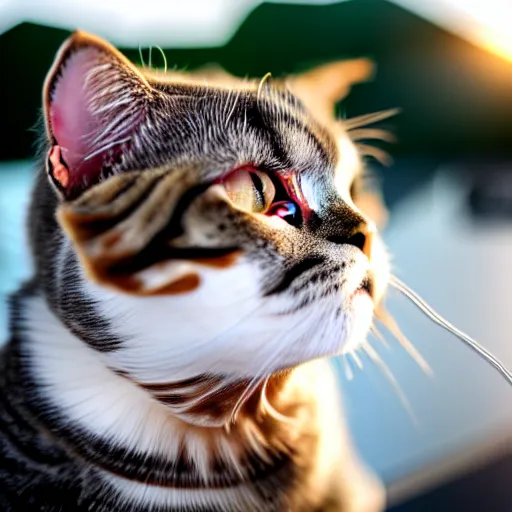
(74, 126)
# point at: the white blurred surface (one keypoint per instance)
(190, 23)
(197, 23)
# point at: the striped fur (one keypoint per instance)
(167, 355)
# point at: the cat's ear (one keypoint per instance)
(94, 101)
(322, 87)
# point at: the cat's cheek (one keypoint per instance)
(361, 318)
(361, 300)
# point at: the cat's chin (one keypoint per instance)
(362, 310)
(359, 311)
(361, 296)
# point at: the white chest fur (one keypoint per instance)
(88, 394)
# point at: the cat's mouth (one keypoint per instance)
(366, 287)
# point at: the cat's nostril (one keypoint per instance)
(362, 239)
(359, 239)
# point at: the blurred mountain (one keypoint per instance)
(456, 98)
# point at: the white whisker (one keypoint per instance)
(384, 368)
(356, 358)
(379, 336)
(261, 377)
(252, 386)
(438, 319)
(231, 112)
(249, 390)
(389, 322)
(349, 374)
(267, 407)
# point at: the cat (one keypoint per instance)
(201, 244)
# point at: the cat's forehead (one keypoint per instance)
(245, 121)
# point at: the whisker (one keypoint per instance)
(379, 336)
(384, 368)
(261, 376)
(371, 134)
(232, 110)
(163, 57)
(379, 154)
(252, 386)
(257, 442)
(357, 130)
(389, 322)
(349, 374)
(141, 56)
(438, 319)
(356, 358)
(366, 119)
(269, 409)
(248, 391)
(261, 84)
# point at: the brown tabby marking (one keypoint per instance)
(225, 261)
(130, 284)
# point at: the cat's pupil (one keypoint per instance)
(288, 211)
(259, 191)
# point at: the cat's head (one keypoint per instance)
(205, 227)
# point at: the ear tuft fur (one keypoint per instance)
(322, 87)
(94, 102)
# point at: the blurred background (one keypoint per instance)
(448, 65)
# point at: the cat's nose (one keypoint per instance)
(362, 238)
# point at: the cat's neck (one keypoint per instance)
(107, 418)
(218, 401)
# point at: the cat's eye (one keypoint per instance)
(250, 190)
(288, 211)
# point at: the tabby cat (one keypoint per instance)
(200, 249)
